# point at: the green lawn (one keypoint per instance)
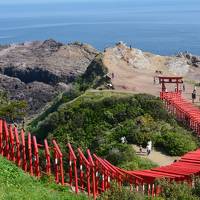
(17, 185)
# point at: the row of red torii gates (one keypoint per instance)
(93, 174)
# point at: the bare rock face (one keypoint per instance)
(37, 94)
(132, 69)
(124, 58)
(191, 59)
(51, 45)
(178, 66)
(133, 57)
(49, 62)
(35, 71)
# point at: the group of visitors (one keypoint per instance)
(148, 148)
(194, 92)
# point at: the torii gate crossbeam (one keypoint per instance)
(165, 79)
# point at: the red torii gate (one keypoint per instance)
(169, 79)
(92, 173)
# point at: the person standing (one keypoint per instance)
(113, 75)
(123, 140)
(183, 87)
(140, 149)
(23, 124)
(194, 94)
(154, 80)
(148, 150)
(149, 147)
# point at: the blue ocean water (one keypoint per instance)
(160, 26)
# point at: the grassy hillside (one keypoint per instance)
(17, 185)
(94, 77)
(97, 120)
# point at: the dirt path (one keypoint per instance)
(156, 156)
(130, 79)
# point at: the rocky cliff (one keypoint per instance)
(133, 69)
(38, 71)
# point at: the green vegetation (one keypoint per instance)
(114, 193)
(11, 110)
(17, 185)
(170, 191)
(97, 120)
(174, 191)
(95, 75)
(59, 100)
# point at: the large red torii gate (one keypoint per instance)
(170, 79)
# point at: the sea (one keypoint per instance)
(164, 27)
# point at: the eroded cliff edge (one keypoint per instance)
(37, 71)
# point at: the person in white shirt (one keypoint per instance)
(123, 140)
(149, 147)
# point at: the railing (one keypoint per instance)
(91, 173)
(83, 173)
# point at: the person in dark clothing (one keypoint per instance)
(23, 123)
(140, 149)
(183, 87)
(194, 93)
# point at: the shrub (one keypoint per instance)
(176, 143)
(120, 153)
(154, 106)
(98, 120)
(174, 191)
(173, 140)
(138, 163)
(196, 188)
(11, 110)
(114, 193)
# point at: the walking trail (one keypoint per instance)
(156, 156)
